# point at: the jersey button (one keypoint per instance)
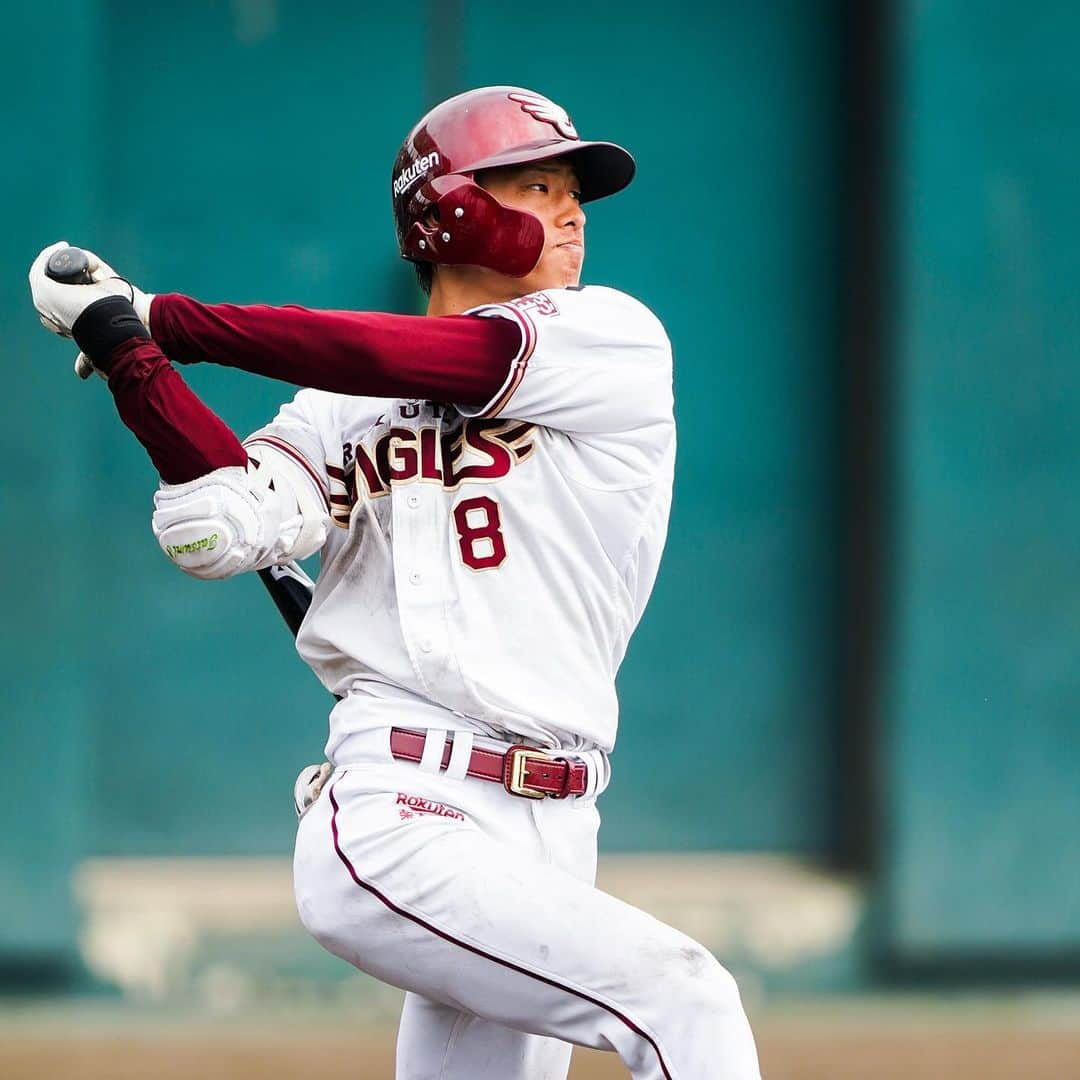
(425, 645)
(416, 577)
(413, 501)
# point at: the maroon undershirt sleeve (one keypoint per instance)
(182, 436)
(456, 358)
(450, 358)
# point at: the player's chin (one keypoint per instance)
(569, 258)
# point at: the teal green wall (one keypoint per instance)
(243, 151)
(263, 178)
(730, 233)
(984, 692)
(252, 164)
(49, 637)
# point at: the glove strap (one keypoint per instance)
(104, 325)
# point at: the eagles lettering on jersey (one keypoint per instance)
(449, 453)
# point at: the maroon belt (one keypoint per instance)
(522, 770)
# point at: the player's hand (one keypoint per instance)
(309, 785)
(59, 305)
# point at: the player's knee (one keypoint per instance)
(702, 985)
(721, 991)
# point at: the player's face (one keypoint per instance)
(551, 191)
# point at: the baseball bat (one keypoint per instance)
(71, 266)
(289, 587)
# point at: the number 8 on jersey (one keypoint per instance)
(479, 529)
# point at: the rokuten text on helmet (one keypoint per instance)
(407, 177)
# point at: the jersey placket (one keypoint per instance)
(421, 552)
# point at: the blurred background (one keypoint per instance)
(849, 755)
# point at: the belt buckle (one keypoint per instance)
(517, 758)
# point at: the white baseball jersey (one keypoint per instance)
(488, 566)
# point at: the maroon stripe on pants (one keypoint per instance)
(368, 887)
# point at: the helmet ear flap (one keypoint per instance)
(460, 224)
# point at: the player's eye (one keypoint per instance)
(576, 195)
(538, 186)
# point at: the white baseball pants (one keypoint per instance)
(481, 905)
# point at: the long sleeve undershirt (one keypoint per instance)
(182, 436)
(456, 358)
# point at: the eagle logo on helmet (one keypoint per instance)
(541, 109)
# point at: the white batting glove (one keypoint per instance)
(220, 524)
(309, 785)
(59, 305)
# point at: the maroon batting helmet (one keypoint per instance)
(442, 216)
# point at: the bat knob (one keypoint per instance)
(71, 266)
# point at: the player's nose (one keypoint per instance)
(571, 212)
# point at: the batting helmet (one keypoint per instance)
(442, 216)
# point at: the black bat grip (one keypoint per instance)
(70, 266)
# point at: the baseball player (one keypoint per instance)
(488, 489)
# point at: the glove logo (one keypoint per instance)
(541, 109)
(204, 543)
